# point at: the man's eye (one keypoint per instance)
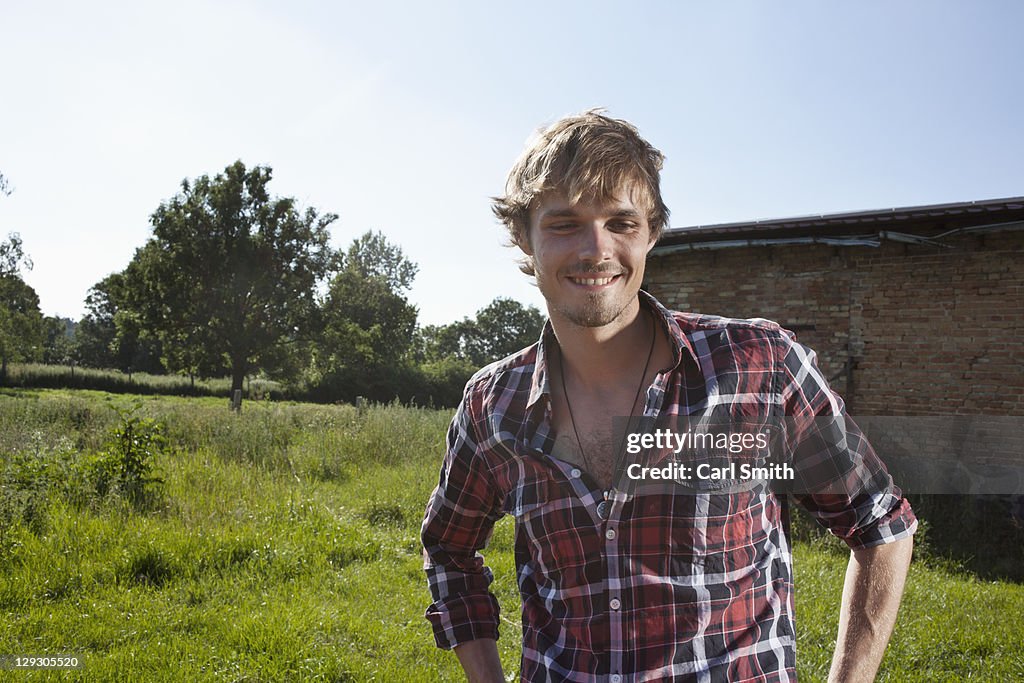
(623, 226)
(561, 227)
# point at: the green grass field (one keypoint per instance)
(282, 544)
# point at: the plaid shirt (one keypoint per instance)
(683, 583)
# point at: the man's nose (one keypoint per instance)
(595, 242)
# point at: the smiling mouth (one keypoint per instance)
(593, 281)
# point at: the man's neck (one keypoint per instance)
(606, 356)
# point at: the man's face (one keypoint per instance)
(589, 256)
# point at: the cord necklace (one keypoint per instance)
(602, 509)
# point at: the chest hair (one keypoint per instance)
(599, 444)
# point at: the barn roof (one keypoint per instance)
(920, 224)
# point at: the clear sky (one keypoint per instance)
(405, 117)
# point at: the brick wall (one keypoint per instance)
(930, 331)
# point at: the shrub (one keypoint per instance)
(125, 465)
(28, 478)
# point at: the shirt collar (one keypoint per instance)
(541, 386)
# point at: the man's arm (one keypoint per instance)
(871, 599)
(479, 658)
(458, 522)
(845, 486)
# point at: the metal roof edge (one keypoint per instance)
(867, 216)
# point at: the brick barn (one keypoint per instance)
(913, 311)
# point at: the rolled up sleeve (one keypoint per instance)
(840, 479)
(458, 523)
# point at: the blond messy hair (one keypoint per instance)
(584, 155)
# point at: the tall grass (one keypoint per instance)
(283, 544)
(38, 375)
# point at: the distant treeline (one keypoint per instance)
(230, 285)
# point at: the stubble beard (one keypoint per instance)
(593, 313)
(597, 309)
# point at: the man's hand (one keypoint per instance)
(871, 598)
(479, 658)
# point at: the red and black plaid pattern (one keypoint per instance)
(679, 583)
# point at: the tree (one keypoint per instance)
(368, 324)
(21, 322)
(501, 328)
(12, 256)
(230, 273)
(446, 341)
(96, 332)
(449, 354)
(111, 335)
(369, 290)
(58, 348)
(372, 258)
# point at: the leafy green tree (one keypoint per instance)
(13, 257)
(58, 335)
(21, 322)
(368, 324)
(449, 354)
(437, 342)
(444, 380)
(372, 258)
(501, 328)
(230, 274)
(96, 331)
(111, 334)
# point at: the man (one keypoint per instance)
(682, 581)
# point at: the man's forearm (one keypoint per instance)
(479, 658)
(871, 599)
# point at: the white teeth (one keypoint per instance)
(592, 282)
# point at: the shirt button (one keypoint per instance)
(616, 678)
(614, 604)
(610, 534)
(575, 473)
